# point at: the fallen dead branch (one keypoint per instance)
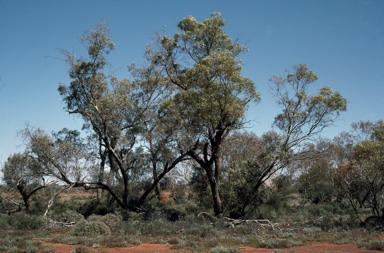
(234, 222)
(263, 222)
(8, 210)
(53, 223)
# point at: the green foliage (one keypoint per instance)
(361, 176)
(304, 114)
(21, 166)
(68, 216)
(201, 65)
(374, 245)
(90, 228)
(179, 212)
(200, 192)
(112, 220)
(4, 220)
(282, 243)
(25, 221)
(315, 182)
(48, 249)
(179, 193)
(196, 234)
(18, 244)
(188, 102)
(250, 161)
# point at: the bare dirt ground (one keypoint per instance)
(162, 248)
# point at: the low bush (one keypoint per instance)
(112, 220)
(281, 243)
(374, 245)
(90, 229)
(18, 244)
(4, 220)
(174, 212)
(68, 216)
(25, 221)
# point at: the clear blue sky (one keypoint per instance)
(342, 41)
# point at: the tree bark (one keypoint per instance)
(217, 204)
(213, 184)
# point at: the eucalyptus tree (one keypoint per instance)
(62, 156)
(120, 118)
(361, 176)
(25, 174)
(210, 96)
(157, 138)
(303, 117)
(316, 172)
(47, 160)
(112, 111)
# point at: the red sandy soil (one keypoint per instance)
(162, 248)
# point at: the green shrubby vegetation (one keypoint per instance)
(18, 243)
(90, 228)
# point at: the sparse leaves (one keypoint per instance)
(304, 115)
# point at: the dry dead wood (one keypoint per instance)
(234, 222)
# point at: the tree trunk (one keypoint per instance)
(21, 187)
(156, 179)
(217, 204)
(213, 184)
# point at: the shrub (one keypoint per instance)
(90, 228)
(71, 240)
(31, 246)
(375, 245)
(281, 243)
(18, 244)
(3, 220)
(174, 213)
(112, 220)
(159, 226)
(23, 221)
(48, 249)
(68, 216)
